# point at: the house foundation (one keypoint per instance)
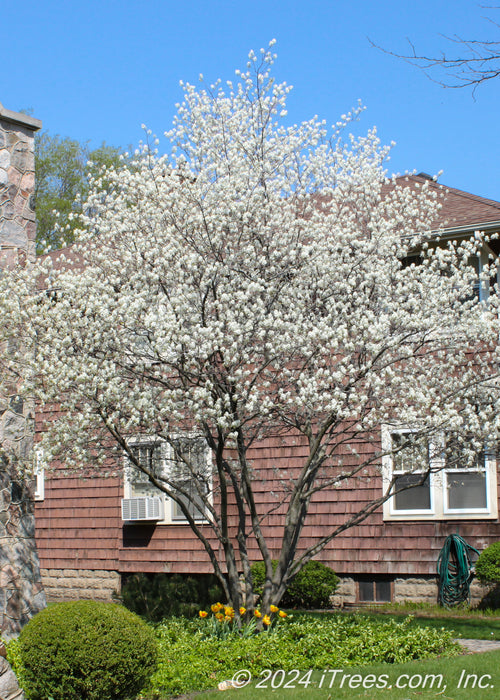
(78, 584)
(400, 590)
(98, 584)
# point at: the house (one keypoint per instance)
(93, 532)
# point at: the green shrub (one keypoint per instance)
(310, 589)
(86, 651)
(163, 595)
(15, 660)
(488, 564)
(191, 662)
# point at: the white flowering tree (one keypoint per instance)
(255, 282)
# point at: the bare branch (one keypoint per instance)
(477, 60)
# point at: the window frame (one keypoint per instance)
(362, 583)
(146, 488)
(390, 511)
(484, 287)
(439, 491)
(39, 475)
(488, 468)
(175, 508)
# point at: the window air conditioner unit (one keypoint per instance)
(142, 508)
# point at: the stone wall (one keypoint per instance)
(346, 593)
(21, 593)
(426, 590)
(74, 584)
(404, 590)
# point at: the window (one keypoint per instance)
(189, 465)
(437, 479)
(465, 479)
(374, 590)
(412, 484)
(184, 463)
(150, 455)
(39, 475)
(482, 288)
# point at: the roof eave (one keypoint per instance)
(449, 232)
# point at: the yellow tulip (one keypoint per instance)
(203, 613)
(257, 613)
(216, 607)
(266, 620)
(282, 613)
(242, 610)
(273, 609)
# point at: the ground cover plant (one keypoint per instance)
(189, 660)
(472, 628)
(420, 608)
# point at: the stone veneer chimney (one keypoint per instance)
(17, 183)
(21, 593)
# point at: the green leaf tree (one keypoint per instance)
(64, 169)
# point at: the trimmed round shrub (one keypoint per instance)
(310, 589)
(488, 564)
(86, 650)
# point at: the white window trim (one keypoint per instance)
(483, 258)
(490, 472)
(437, 484)
(129, 489)
(39, 475)
(484, 255)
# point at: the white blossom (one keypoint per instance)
(250, 283)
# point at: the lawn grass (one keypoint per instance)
(432, 610)
(456, 678)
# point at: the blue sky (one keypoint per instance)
(97, 70)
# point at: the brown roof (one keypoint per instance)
(64, 257)
(459, 209)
